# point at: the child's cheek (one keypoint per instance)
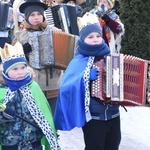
(101, 40)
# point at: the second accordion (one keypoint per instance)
(122, 79)
(63, 17)
(51, 49)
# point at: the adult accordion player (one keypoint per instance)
(122, 79)
(4, 8)
(64, 17)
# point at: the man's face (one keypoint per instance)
(105, 3)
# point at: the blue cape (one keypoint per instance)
(70, 110)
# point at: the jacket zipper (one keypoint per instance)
(106, 112)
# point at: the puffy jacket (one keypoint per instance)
(101, 111)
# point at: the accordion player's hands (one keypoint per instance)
(94, 74)
(106, 18)
(99, 14)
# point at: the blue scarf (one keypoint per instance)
(15, 84)
(93, 50)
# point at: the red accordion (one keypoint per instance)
(122, 78)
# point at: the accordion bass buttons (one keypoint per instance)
(96, 85)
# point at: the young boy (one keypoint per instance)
(25, 115)
(75, 106)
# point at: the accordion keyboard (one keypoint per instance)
(49, 16)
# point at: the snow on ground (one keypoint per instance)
(135, 128)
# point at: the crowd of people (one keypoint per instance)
(38, 100)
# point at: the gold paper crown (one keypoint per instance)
(87, 19)
(10, 51)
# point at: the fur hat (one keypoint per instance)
(28, 3)
(87, 24)
(11, 56)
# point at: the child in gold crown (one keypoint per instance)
(75, 106)
(25, 115)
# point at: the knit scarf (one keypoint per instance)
(15, 84)
(93, 50)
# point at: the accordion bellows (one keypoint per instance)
(123, 79)
(64, 44)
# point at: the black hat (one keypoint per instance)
(30, 3)
(28, 10)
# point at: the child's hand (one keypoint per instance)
(99, 14)
(106, 18)
(94, 74)
(2, 107)
(8, 113)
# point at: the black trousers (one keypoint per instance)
(102, 135)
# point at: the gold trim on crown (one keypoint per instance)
(87, 19)
(10, 51)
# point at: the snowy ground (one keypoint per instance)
(135, 126)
